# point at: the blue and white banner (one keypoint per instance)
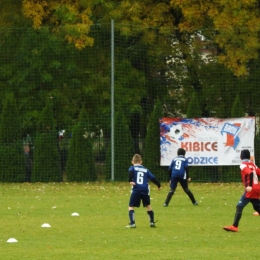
(207, 141)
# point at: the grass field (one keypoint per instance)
(183, 231)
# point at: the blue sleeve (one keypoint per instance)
(186, 163)
(130, 174)
(170, 170)
(150, 175)
(153, 179)
(186, 167)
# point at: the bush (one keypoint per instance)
(46, 166)
(123, 150)
(12, 163)
(12, 160)
(152, 151)
(80, 165)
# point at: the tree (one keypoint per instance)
(80, 164)
(12, 163)
(233, 26)
(237, 109)
(152, 151)
(70, 19)
(219, 86)
(42, 72)
(11, 14)
(123, 150)
(46, 165)
(10, 131)
(194, 110)
(74, 20)
(63, 52)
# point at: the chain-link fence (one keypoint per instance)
(56, 118)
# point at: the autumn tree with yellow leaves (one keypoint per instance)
(66, 50)
(233, 25)
(66, 17)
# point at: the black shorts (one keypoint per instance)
(176, 180)
(136, 198)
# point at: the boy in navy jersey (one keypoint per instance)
(249, 174)
(138, 178)
(179, 172)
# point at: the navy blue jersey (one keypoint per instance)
(140, 176)
(179, 167)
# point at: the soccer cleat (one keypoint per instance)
(165, 205)
(131, 226)
(195, 203)
(231, 228)
(256, 213)
(152, 224)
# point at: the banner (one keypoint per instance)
(207, 141)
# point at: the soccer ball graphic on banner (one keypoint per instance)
(176, 131)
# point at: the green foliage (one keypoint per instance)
(80, 165)
(123, 150)
(237, 109)
(151, 153)
(37, 69)
(219, 86)
(12, 163)
(10, 131)
(40, 62)
(211, 174)
(257, 151)
(152, 60)
(46, 122)
(193, 110)
(46, 166)
(230, 174)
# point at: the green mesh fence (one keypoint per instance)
(56, 102)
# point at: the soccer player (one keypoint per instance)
(139, 177)
(179, 173)
(249, 174)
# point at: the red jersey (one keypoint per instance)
(247, 167)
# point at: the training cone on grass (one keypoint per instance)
(46, 225)
(75, 214)
(11, 240)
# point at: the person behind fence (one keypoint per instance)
(249, 174)
(179, 172)
(139, 177)
(28, 163)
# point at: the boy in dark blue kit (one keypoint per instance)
(138, 178)
(179, 172)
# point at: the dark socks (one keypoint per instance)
(151, 215)
(191, 196)
(238, 216)
(132, 216)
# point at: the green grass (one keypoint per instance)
(183, 231)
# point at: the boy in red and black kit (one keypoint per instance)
(249, 174)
